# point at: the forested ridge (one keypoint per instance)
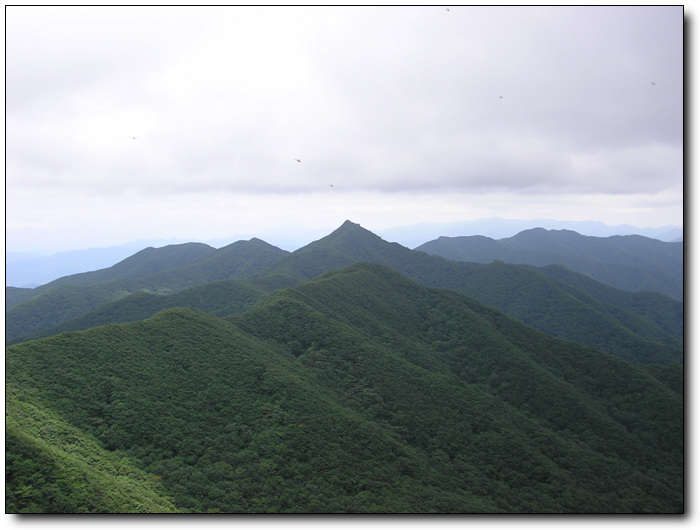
(66, 301)
(578, 309)
(329, 382)
(633, 262)
(165, 270)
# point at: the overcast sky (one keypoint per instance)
(125, 123)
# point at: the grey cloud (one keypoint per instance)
(377, 99)
(62, 58)
(575, 85)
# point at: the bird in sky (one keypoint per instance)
(500, 97)
(298, 160)
(653, 83)
(331, 185)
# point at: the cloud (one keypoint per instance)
(118, 103)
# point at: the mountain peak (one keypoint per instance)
(352, 230)
(349, 225)
(346, 245)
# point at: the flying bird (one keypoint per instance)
(653, 83)
(298, 160)
(500, 97)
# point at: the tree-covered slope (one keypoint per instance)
(578, 393)
(54, 467)
(632, 263)
(570, 313)
(16, 295)
(586, 312)
(144, 263)
(242, 259)
(226, 422)
(64, 302)
(362, 391)
(566, 311)
(663, 311)
(222, 298)
(349, 244)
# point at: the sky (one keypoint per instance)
(197, 123)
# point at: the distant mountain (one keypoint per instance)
(31, 270)
(632, 263)
(144, 263)
(415, 235)
(348, 244)
(361, 391)
(125, 300)
(27, 270)
(289, 237)
(241, 259)
(46, 308)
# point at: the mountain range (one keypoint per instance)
(351, 375)
(415, 235)
(632, 263)
(644, 326)
(28, 270)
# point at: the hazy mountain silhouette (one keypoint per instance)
(632, 263)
